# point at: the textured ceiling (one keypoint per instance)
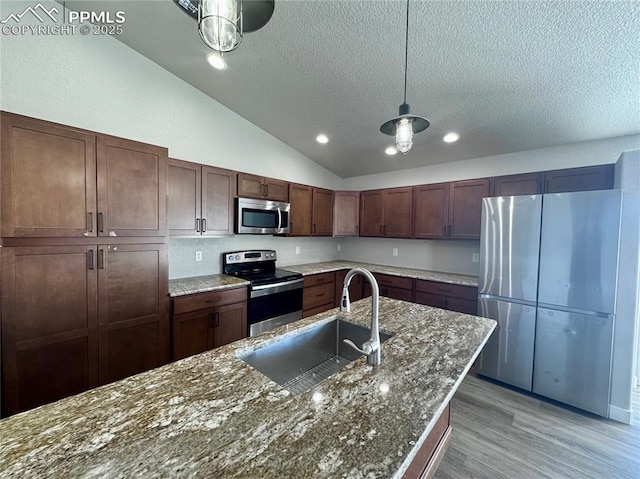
(507, 75)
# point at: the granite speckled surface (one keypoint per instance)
(202, 284)
(212, 415)
(325, 267)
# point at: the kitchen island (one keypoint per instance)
(212, 415)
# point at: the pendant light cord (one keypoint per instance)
(406, 54)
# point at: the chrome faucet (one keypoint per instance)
(371, 348)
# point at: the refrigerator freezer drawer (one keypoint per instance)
(508, 354)
(573, 359)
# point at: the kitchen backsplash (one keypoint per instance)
(446, 256)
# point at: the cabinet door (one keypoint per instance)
(430, 299)
(322, 212)
(300, 215)
(371, 213)
(48, 179)
(134, 294)
(579, 179)
(355, 287)
(229, 324)
(346, 213)
(465, 208)
(132, 188)
(218, 191)
(192, 333)
(250, 186)
(398, 212)
(49, 324)
(513, 185)
(276, 190)
(183, 193)
(431, 211)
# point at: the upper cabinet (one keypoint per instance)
(300, 197)
(252, 186)
(61, 182)
(200, 199)
(386, 213)
(346, 213)
(322, 214)
(556, 181)
(449, 210)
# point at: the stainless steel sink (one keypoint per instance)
(299, 362)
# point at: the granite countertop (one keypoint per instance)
(212, 415)
(202, 284)
(328, 266)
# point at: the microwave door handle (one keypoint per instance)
(279, 219)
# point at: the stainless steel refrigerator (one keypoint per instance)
(548, 274)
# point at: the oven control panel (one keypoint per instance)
(253, 256)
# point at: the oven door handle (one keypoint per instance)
(263, 290)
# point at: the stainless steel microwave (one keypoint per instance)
(262, 217)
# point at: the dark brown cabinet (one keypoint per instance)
(513, 185)
(449, 210)
(386, 213)
(355, 287)
(453, 297)
(322, 215)
(346, 213)
(318, 294)
(74, 317)
(390, 286)
(300, 197)
(252, 186)
(200, 199)
(204, 321)
(58, 181)
(579, 179)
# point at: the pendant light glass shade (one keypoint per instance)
(220, 23)
(404, 135)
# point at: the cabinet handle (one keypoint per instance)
(380, 230)
(100, 259)
(314, 227)
(266, 190)
(384, 230)
(211, 322)
(197, 225)
(204, 225)
(90, 222)
(216, 320)
(90, 259)
(100, 222)
(319, 295)
(449, 231)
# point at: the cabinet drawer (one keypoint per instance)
(317, 295)
(194, 302)
(462, 305)
(316, 279)
(430, 299)
(447, 289)
(397, 293)
(394, 281)
(317, 310)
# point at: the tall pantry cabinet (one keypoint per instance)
(84, 260)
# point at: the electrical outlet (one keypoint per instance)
(475, 257)
(297, 249)
(339, 247)
(395, 251)
(198, 255)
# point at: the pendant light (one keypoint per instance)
(222, 23)
(405, 125)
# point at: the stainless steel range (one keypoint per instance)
(275, 294)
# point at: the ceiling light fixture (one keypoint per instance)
(391, 150)
(322, 138)
(216, 61)
(222, 23)
(451, 137)
(405, 125)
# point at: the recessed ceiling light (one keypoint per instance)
(451, 137)
(216, 61)
(391, 150)
(322, 138)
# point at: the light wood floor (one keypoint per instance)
(499, 433)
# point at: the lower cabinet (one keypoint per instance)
(318, 294)
(454, 297)
(355, 287)
(75, 317)
(428, 458)
(205, 321)
(396, 287)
